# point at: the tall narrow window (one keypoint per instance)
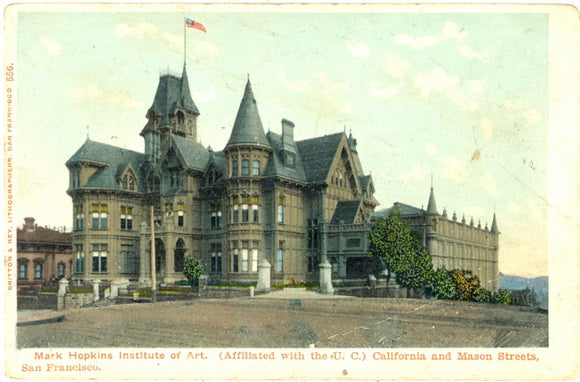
(216, 257)
(129, 259)
(179, 256)
(244, 259)
(22, 270)
(79, 217)
(38, 270)
(281, 209)
(127, 218)
(235, 260)
(60, 270)
(245, 167)
(80, 259)
(245, 213)
(254, 260)
(235, 213)
(99, 212)
(219, 215)
(255, 213)
(280, 259)
(180, 215)
(235, 167)
(256, 167)
(99, 258)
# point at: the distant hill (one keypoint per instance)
(539, 284)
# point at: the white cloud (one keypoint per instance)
(488, 183)
(359, 50)
(416, 42)
(385, 92)
(476, 86)
(395, 66)
(486, 129)
(441, 82)
(51, 46)
(520, 109)
(431, 149)
(206, 48)
(417, 174)
(208, 95)
(145, 29)
(453, 168)
(293, 85)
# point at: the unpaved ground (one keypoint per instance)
(293, 322)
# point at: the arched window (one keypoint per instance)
(245, 167)
(281, 209)
(179, 256)
(256, 168)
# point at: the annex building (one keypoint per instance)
(265, 195)
(451, 243)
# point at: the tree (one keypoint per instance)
(393, 242)
(442, 285)
(467, 284)
(192, 269)
(502, 297)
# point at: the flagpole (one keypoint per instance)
(184, 43)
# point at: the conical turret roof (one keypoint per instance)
(494, 225)
(432, 206)
(248, 127)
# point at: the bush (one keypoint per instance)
(483, 295)
(192, 269)
(503, 297)
(442, 285)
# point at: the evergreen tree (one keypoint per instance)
(393, 242)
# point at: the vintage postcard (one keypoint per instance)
(290, 191)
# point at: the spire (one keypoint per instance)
(494, 225)
(432, 207)
(185, 99)
(248, 125)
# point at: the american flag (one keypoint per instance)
(195, 25)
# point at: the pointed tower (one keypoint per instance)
(432, 207)
(494, 225)
(248, 127)
(172, 112)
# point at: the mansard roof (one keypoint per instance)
(345, 211)
(318, 154)
(276, 166)
(196, 156)
(112, 161)
(172, 94)
(248, 127)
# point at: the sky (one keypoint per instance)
(459, 98)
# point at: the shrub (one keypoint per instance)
(503, 297)
(483, 295)
(192, 269)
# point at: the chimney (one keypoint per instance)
(287, 132)
(29, 224)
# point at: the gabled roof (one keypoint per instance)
(276, 167)
(404, 209)
(112, 161)
(248, 127)
(364, 181)
(345, 212)
(317, 155)
(172, 94)
(41, 235)
(196, 156)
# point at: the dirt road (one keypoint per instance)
(293, 322)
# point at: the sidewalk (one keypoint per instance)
(297, 294)
(38, 317)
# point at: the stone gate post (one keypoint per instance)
(263, 276)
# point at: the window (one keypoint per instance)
(312, 233)
(245, 167)
(244, 259)
(311, 263)
(255, 260)
(235, 261)
(129, 259)
(235, 214)
(280, 259)
(79, 217)
(245, 213)
(352, 243)
(216, 257)
(22, 270)
(235, 167)
(180, 215)
(179, 256)
(216, 215)
(38, 270)
(255, 214)
(126, 218)
(99, 212)
(256, 167)
(281, 209)
(60, 270)
(80, 259)
(99, 258)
